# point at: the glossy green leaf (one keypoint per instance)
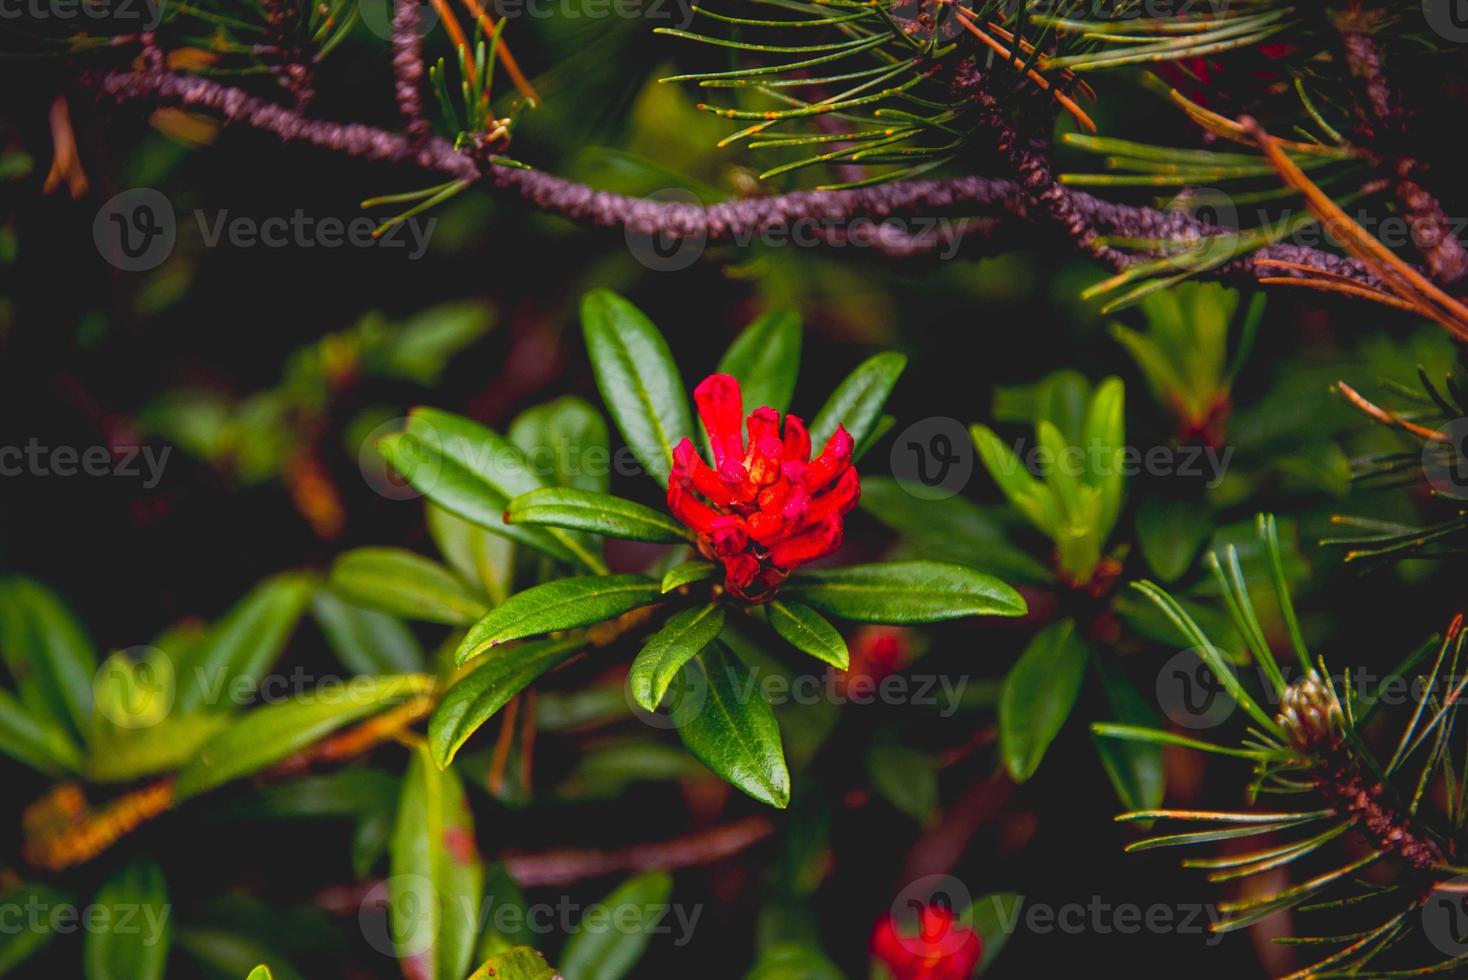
(1038, 695)
(437, 876)
(506, 923)
(267, 735)
(558, 605)
(808, 631)
(475, 697)
(519, 963)
(1104, 444)
(638, 380)
(476, 553)
(402, 583)
(728, 725)
(367, 641)
(48, 654)
(136, 895)
(598, 513)
(687, 573)
(682, 637)
(904, 592)
(35, 743)
(244, 644)
(613, 934)
(1032, 498)
(765, 358)
(857, 402)
(565, 442)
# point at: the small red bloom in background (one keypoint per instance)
(942, 948)
(764, 508)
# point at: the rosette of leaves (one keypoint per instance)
(694, 630)
(1387, 906)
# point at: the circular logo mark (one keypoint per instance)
(135, 231)
(1445, 916)
(664, 240)
(134, 688)
(1191, 694)
(400, 916)
(1445, 462)
(683, 701)
(933, 458)
(378, 16)
(411, 468)
(1448, 18)
(927, 935)
(1210, 207)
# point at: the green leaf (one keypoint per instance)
(476, 553)
(1104, 445)
(1136, 769)
(1035, 500)
(267, 735)
(505, 915)
(904, 777)
(558, 605)
(765, 358)
(1170, 532)
(401, 583)
(565, 442)
(994, 918)
(599, 513)
(19, 944)
(261, 972)
(367, 641)
(35, 743)
(809, 632)
(48, 653)
(638, 380)
(437, 877)
(904, 592)
(520, 963)
(683, 637)
(686, 574)
(120, 754)
(227, 953)
(857, 402)
(1038, 696)
(475, 698)
(604, 947)
(793, 961)
(139, 895)
(733, 730)
(244, 644)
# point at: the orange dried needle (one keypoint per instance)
(512, 67)
(1387, 418)
(1066, 101)
(460, 39)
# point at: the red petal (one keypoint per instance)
(797, 440)
(739, 573)
(837, 501)
(816, 542)
(727, 535)
(765, 446)
(690, 467)
(689, 509)
(721, 406)
(833, 460)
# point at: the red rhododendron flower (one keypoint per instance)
(765, 507)
(941, 949)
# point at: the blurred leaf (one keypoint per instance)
(1104, 442)
(686, 573)
(566, 444)
(365, 640)
(261, 972)
(950, 529)
(602, 947)
(49, 655)
(477, 554)
(399, 582)
(765, 358)
(732, 729)
(606, 770)
(808, 631)
(19, 944)
(1137, 769)
(421, 348)
(1032, 498)
(227, 954)
(857, 402)
(904, 777)
(119, 754)
(137, 894)
(558, 605)
(793, 961)
(598, 513)
(506, 923)
(35, 743)
(344, 793)
(904, 592)
(682, 637)
(475, 697)
(994, 917)
(437, 877)
(244, 643)
(1170, 533)
(638, 380)
(1038, 696)
(267, 735)
(520, 963)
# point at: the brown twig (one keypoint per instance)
(561, 867)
